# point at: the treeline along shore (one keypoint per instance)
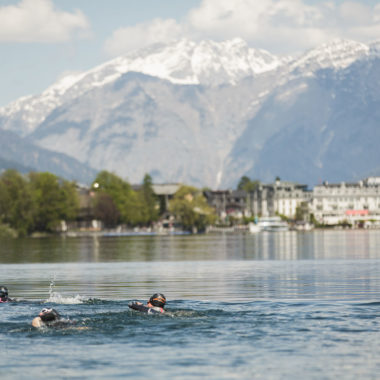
(38, 202)
(42, 203)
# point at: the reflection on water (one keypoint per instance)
(317, 245)
(326, 264)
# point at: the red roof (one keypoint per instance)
(356, 212)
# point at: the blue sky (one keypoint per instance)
(41, 40)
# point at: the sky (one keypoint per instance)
(43, 40)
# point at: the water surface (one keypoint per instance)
(265, 306)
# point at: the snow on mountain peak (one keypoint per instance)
(64, 83)
(181, 62)
(337, 54)
(206, 62)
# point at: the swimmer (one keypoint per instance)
(155, 305)
(4, 295)
(51, 318)
(47, 317)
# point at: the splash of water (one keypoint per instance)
(56, 297)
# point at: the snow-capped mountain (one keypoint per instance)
(338, 54)
(206, 63)
(207, 113)
(184, 62)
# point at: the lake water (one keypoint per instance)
(265, 306)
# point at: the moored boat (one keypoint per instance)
(272, 223)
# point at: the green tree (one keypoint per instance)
(55, 200)
(247, 184)
(122, 195)
(17, 208)
(148, 200)
(106, 211)
(70, 200)
(299, 214)
(302, 212)
(191, 210)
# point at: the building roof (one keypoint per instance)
(166, 188)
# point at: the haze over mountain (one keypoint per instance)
(21, 154)
(208, 113)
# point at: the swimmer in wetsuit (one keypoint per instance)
(155, 305)
(51, 318)
(46, 317)
(4, 295)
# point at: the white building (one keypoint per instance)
(279, 198)
(355, 203)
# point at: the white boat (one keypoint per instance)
(254, 228)
(272, 223)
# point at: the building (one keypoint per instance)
(266, 200)
(281, 198)
(165, 192)
(353, 203)
(229, 203)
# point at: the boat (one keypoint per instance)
(254, 228)
(272, 223)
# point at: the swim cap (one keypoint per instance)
(49, 315)
(158, 300)
(3, 292)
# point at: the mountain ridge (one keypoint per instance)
(232, 121)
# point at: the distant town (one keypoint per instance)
(44, 203)
(326, 205)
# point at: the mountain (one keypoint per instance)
(318, 126)
(20, 154)
(208, 113)
(6, 164)
(184, 62)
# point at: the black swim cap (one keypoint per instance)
(3, 292)
(49, 315)
(158, 300)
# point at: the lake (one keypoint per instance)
(264, 306)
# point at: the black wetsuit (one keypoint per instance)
(146, 309)
(60, 324)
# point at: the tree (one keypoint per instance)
(302, 212)
(122, 195)
(190, 208)
(106, 211)
(247, 185)
(17, 207)
(244, 181)
(149, 200)
(55, 200)
(69, 199)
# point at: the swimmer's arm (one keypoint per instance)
(37, 322)
(139, 307)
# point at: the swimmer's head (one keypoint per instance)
(49, 315)
(158, 300)
(3, 293)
